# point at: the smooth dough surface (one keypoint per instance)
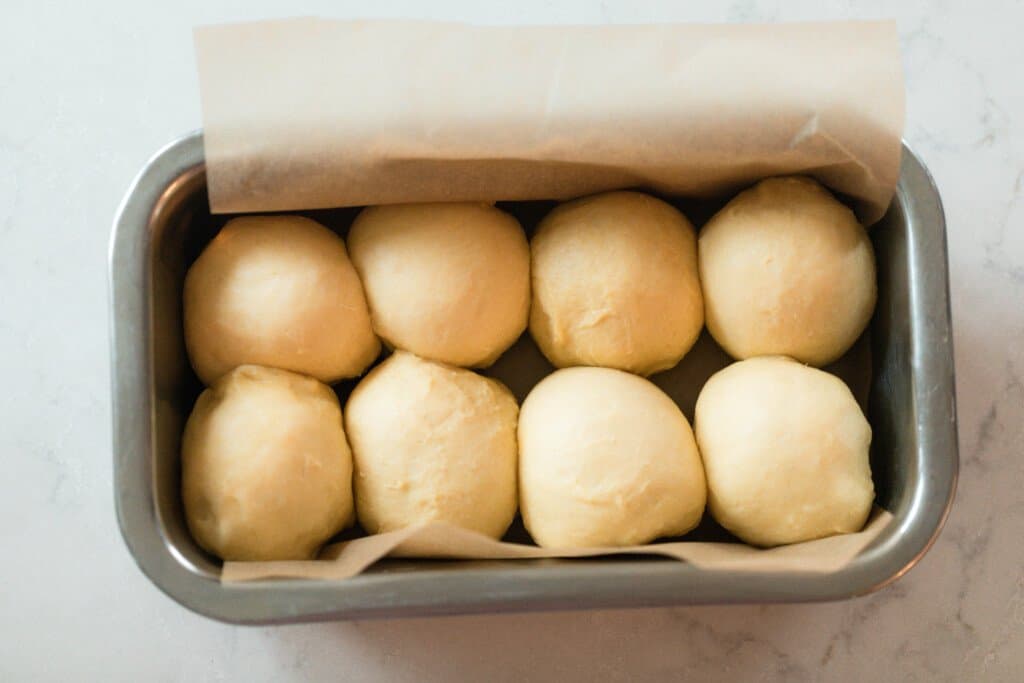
(615, 284)
(432, 442)
(449, 282)
(787, 270)
(606, 459)
(785, 448)
(266, 470)
(278, 291)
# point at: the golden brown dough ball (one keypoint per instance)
(615, 284)
(448, 282)
(266, 469)
(787, 269)
(277, 291)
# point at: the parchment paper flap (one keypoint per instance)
(315, 113)
(344, 560)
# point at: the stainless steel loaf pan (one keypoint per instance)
(163, 223)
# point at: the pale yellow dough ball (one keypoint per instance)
(432, 443)
(785, 447)
(606, 459)
(277, 291)
(266, 470)
(615, 284)
(787, 269)
(448, 282)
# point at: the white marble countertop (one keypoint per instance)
(90, 90)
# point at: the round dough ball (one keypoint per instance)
(787, 270)
(606, 459)
(278, 291)
(432, 443)
(615, 284)
(266, 472)
(448, 282)
(785, 448)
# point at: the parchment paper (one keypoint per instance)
(307, 113)
(314, 113)
(343, 560)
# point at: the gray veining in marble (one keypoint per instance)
(88, 91)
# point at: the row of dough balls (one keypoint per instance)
(617, 281)
(596, 457)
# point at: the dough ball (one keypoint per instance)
(785, 448)
(615, 284)
(277, 291)
(787, 270)
(606, 459)
(448, 282)
(266, 472)
(431, 443)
